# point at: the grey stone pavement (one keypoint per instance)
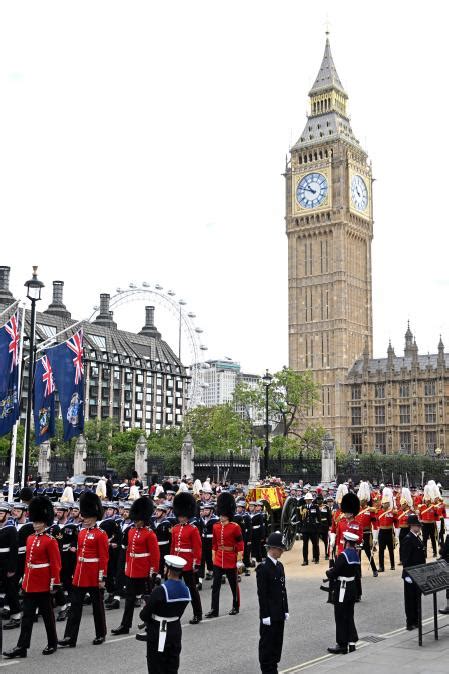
(229, 643)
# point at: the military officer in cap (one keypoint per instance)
(42, 569)
(142, 559)
(161, 526)
(162, 615)
(412, 553)
(90, 571)
(273, 604)
(66, 536)
(345, 573)
(8, 565)
(111, 525)
(206, 522)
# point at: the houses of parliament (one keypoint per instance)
(398, 403)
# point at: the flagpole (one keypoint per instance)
(12, 465)
(45, 344)
(11, 306)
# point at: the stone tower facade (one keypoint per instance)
(329, 227)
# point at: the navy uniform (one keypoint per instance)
(8, 563)
(243, 519)
(111, 525)
(162, 615)
(326, 521)
(205, 525)
(310, 528)
(161, 525)
(273, 606)
(66, 536)
(345, 574)
(412, 553)
(258, 531)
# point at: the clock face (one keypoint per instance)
(359, 193)
(311, 190)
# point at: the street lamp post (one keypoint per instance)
(34, 289)
(267, 381)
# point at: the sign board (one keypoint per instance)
(431, 577)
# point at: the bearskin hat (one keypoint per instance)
(167, 486)
(184, 505)
(26, 494)
(141, 509)
(350, 504)
(41, 510)
(90, 505)
(226, 505)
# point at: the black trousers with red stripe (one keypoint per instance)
(76, 611)
(231, 575)
(31, 602)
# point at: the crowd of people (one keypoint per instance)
(58, 555)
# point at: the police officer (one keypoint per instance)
(310, 528)
(161, 613)
(412, 553)
(273, 604)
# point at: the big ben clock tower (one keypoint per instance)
(329, 228)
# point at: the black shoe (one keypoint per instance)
(142, 637)
(199, 587)
(444, 611)
(233, 611)
(15, 653)
(98, 641)
(316, 561)
(247, 573)
(223, 580)
(137, 603)
(48, 650)
(392, 568)
(66, 643)
(351, 648)
(305, 564)
(62, 615)
(112, 605)
(381, 570)
(410, 627)
(358, 599)
(12, 624)
(140, 626)
(120, 630)
(338, 650)
(208, 576)
(87, 600)
(5, 613)
(196, 620)
(211, 614)
(375, 574)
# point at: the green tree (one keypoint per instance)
(217, 429)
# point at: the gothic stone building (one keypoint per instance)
(135, 379)
(367, 404)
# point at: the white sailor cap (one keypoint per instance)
(174, 562)
(349, 536)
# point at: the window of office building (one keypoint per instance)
(430, 411)
(404, 414)
(381, 443)
(379, 415)
(356, 416)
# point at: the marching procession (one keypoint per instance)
(156, 552)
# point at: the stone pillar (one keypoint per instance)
(328, 460)
(187, 456)
(80, 456)
(254, 467)
(43, 466)
(141, 456)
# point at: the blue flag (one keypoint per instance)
(66, 361)
(44, 401)
(9, 375)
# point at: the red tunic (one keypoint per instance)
(186, 543)
(402, 518)
(227, 541)
(427, 512)
(42, 564)
(386, 519)
(417, 500)
(92, 557)
(367, 519)
(344, 525)
(336, 517)
(440, 510)
(142, 553)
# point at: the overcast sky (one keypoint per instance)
(145, 140)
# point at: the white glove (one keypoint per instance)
(240, 565)
(287, 616)
(396, 533)
(408, 580)
(375, 535)
(331, 539)
(266, 621)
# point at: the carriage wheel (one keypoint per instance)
(289, 522)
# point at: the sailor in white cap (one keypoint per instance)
(161, 614)
(344, 574)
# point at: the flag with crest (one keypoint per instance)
(66, 362)
(9, 374)
(44, 401)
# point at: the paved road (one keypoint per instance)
(229, 643)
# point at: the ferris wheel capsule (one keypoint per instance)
(171, 293)
(132, 285)
(145, 284)
(158, 286)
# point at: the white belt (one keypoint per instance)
(86, 559)
(343, 580)
(139, 554)
(66, 547)
(208, 536)
(22, 549)
(38, 566)
(4, 550)
(346, 578)
(163, 542)
(163, 629)
(257, 526)
(183, 550)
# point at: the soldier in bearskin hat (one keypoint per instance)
(227, 553)
(186, 543)
(142, 559)
(41, 578)
(90, 571)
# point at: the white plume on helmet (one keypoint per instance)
(406, 496)
(428, 494)
(364, 492)
(434, 491)
(387, 496)
(341, 491)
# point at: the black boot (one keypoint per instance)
(15, 652)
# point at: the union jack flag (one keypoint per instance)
(47, 376)
(12, 328)
(75, 344)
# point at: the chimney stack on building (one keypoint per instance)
(57, 306)
(149, 329)
(6, 296)
(105, 316)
